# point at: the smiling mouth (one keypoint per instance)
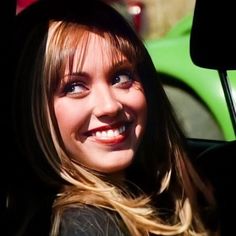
(110, 134)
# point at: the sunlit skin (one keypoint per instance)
(101, 109)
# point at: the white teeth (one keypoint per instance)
(111, 133)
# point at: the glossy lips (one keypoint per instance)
(110, 134)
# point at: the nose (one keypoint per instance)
(106, 103)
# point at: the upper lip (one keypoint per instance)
(107, 127)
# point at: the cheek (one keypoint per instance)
(136, 101)
(62, 115)
(139, 104)
(68, 117)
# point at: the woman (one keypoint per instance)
(89, 103)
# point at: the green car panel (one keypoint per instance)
(171, 57)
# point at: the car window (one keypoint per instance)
(195, 93)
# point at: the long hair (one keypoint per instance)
(168, 177)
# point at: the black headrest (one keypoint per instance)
(213, 38)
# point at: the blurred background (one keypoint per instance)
(158, 16)
(152, 18)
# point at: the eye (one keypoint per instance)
(75, 89)
(123, 80)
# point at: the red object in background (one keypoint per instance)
(135, 9)
(22, 4)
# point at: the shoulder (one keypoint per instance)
(90, 221)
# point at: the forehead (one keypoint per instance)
(69, 35)
(70, 45)
(69, 40)
(94, 52)
(97, 47)
(97, 41)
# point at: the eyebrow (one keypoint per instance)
(122, 64)
(76, 73)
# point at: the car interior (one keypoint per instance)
(212, 45)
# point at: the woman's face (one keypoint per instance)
(101, 108)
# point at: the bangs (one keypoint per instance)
(65, 39)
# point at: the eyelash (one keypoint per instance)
(121, 79)
(128, 75)
(71, 86)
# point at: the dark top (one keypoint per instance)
(91, 221)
